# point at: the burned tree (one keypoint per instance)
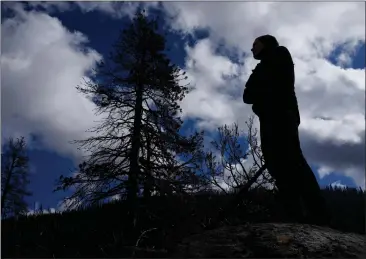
(14, 177)
(229, 166)
(168, 160)
(138, 91)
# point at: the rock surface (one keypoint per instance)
(273, 240)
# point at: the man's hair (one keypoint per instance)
(268, 41)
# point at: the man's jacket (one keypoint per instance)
(270, 88)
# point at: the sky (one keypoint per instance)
(47, 48)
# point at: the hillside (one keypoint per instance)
(164, 225)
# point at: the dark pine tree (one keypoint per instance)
(138, 143)
(14, 177)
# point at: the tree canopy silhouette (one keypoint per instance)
(138, 143)
(14, 177)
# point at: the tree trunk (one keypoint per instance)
(148, 176)
(6, 187)
(135, 148)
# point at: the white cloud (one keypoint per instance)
(338, 184)
(114, 9)
(40, 56)
(43, 212)
(37, 210)
(42, 63)
(299, 25)
(331, 98)
(213, 92)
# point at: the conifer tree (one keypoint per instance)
(14, 177)
(138, 89)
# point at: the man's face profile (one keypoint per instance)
(257, 48)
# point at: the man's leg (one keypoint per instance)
(312, 195)
(277, 142)
(303, 178)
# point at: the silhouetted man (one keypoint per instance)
(270, 89)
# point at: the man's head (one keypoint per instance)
(263, 44)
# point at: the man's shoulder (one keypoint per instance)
(282, 50)
(282, 53)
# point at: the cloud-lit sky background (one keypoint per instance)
(47, 48)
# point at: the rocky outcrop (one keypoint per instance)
(272, 240)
